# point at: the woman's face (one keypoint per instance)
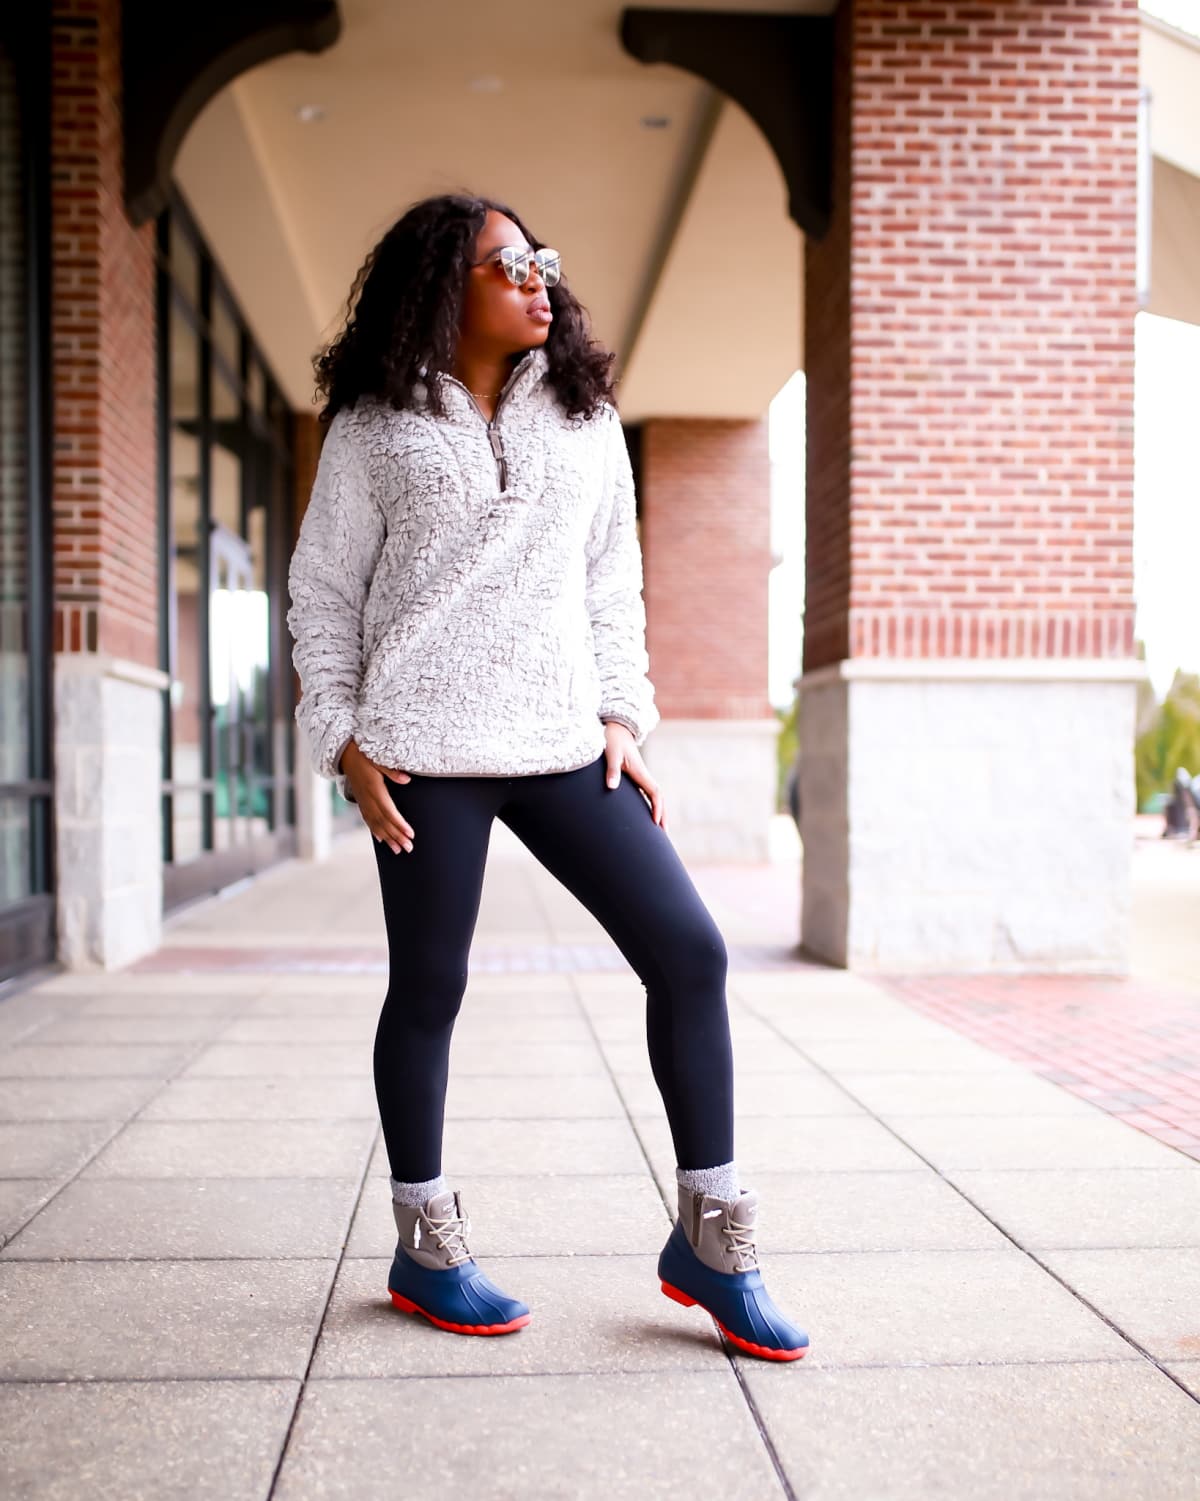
(497, 316)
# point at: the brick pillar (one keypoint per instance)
(969, 667)
(705, 533)
(107, 682)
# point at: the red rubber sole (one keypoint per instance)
(761, 1350)
(409, 1306)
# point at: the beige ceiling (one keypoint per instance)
(655, 225)
(545, 113)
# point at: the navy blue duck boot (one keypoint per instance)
(710, 1259)
(433, 1273)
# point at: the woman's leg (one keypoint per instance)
(430, 906)
(606, 849)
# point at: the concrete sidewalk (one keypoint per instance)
(1001, 1281)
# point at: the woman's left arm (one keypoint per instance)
(618, 615)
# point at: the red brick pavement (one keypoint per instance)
(1130, 1046)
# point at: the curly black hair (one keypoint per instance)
(404, 308)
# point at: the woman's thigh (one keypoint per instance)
(431, 895)
(602, 843)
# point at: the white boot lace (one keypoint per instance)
(741, 1243)
(451, 1231)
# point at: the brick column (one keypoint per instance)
(969, 666)
(705, 533)
(107, 682)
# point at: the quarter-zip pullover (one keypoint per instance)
(467, 594)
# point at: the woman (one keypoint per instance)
(470, 638)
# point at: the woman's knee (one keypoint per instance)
(696, 959)
(427, 993)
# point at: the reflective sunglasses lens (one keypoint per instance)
(550, 266)
(516, 266)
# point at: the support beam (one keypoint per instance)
(174, 59)
(778, 68)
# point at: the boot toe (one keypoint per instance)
(738, 1301)
(462, 1299)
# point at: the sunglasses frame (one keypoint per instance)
(512, 255)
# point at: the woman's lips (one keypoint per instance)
(540, 311)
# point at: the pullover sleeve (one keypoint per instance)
(329, 577)
(614, 595)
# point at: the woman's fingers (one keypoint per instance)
(642, 779)
(380, 813)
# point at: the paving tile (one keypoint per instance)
(1153, 1296)
(1090, 1431)
(589, 1313)
(20, 1199)
(318, 1060)
(50, 1149)
(803, 1092)
(863, 1211)
(153, 1319)
(167, 1000)
(531, 1059)
(1032, 1141)
(235, 1149)
(505, 1096)
(1109, 1207)
(946, 1054)
(34, 1060)
(818, 1143)
(625, 1437)
(345, 1027)
(75, 1099)
(105, 1218)
(902, 1307)
(1187, 1372)
(965, 1093)
(518, 1147)
(753, 1056)
(252, 1098)
(155, 1028)
(552, 1215)
(124, 1441)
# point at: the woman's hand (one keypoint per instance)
(621, 754)
(379, 812)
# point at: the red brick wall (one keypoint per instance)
(705, 534)
(969, 335)
(105, 504)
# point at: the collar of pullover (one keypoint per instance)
(524, 378)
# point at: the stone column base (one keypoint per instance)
(968, 815)
(718, 778)
(314, 805)
(107, 809)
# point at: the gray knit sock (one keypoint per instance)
(720, 1181)
(416, 1194)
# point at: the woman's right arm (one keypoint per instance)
(329, 577)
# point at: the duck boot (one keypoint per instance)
(710, 1259)
(433, 1273)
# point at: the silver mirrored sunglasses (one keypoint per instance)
(515, 262)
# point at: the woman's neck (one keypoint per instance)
(483, 374)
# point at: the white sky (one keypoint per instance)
(1166, 486)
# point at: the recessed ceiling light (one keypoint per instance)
(656, 122)
(488, 83)
(310, 112)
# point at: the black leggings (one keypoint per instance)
(602, 843)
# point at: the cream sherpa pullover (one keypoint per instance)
(467, 595)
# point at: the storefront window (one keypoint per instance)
(228, 804)
(26, 905)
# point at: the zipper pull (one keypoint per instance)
(497, 443)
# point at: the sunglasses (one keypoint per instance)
(515, 263)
